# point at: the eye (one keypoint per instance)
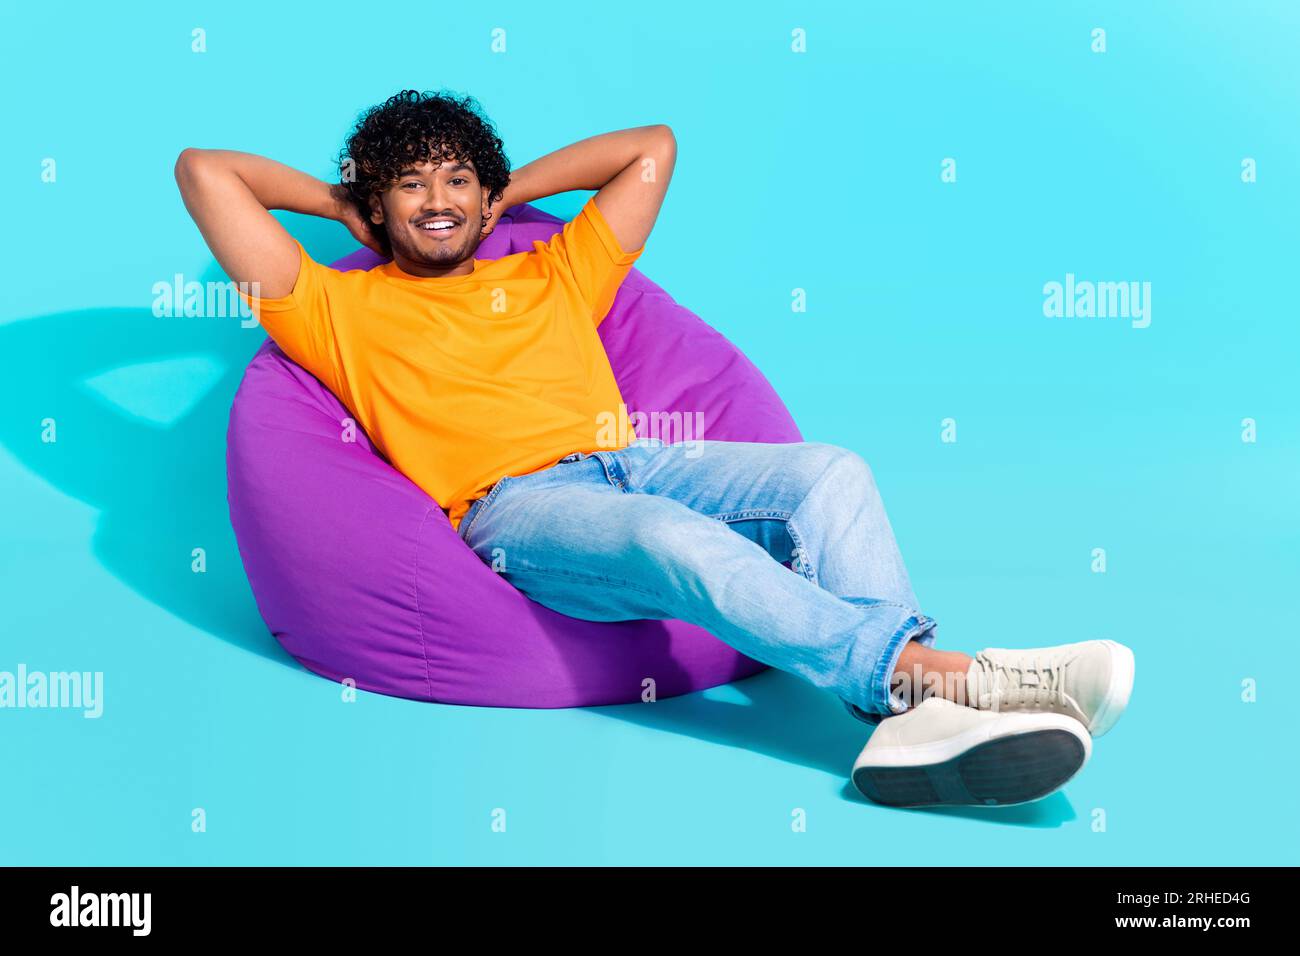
(460, 179)
(412, 183)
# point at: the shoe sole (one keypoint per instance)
(1004, 771)
(1121, 686)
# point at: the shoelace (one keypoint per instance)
(1047, 687)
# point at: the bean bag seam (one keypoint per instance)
(419, 616)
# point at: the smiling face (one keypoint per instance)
(423, 197)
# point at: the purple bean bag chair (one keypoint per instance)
(358, 573)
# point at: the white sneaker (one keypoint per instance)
(1090, 681)
(939, 753)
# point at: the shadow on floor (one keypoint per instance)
(824, 737)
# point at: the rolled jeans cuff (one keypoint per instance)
(882, 701)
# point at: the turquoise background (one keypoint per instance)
(817, 171)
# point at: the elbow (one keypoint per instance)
(665, 145)
(665, 155)
(185, 163)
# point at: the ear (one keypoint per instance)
(376, 210)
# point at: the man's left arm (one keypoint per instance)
(629, 168)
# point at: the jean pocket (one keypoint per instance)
(482, 504)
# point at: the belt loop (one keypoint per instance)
(614, 472)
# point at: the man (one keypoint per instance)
(485, 382)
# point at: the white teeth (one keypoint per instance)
(437, 226)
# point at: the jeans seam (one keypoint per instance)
(615, 473)
(748, 513)
(807, 570)
(915, 624)
(627, 585)
(487, 500)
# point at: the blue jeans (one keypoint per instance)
(783, 551)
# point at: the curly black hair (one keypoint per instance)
(413, 127)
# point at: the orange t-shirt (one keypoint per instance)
(461, 380)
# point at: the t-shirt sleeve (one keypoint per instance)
(587, 250)
(302, 322)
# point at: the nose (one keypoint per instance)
(437, 202)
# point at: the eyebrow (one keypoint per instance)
(458, 168)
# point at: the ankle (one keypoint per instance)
(923, 672)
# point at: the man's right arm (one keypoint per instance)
(229, 195)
